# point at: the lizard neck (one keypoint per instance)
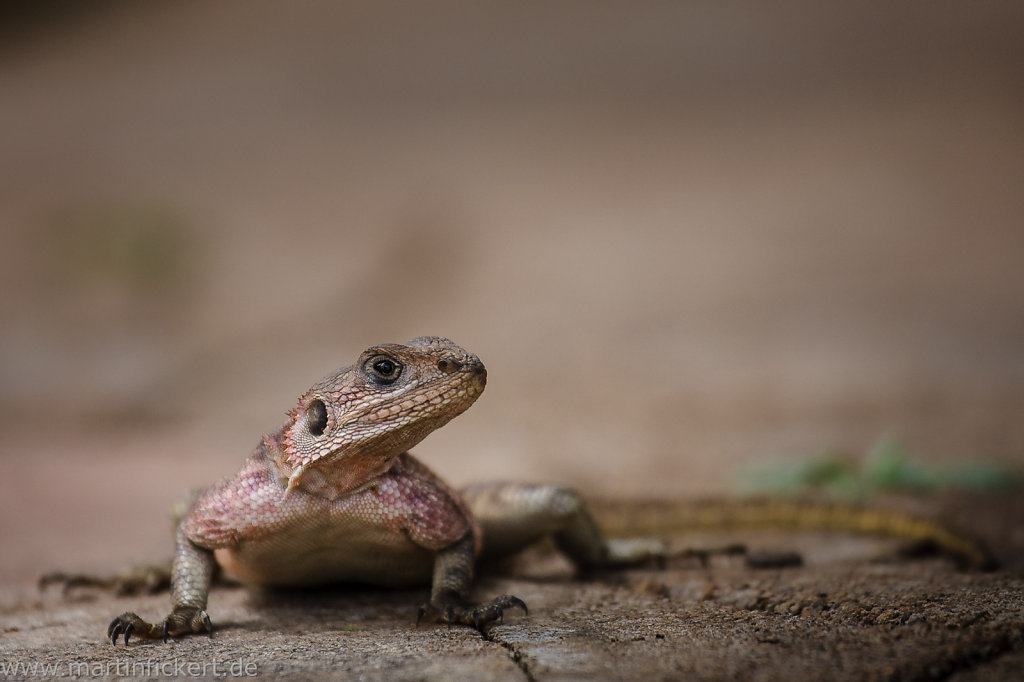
(329, 482)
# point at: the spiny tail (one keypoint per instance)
(621, 518)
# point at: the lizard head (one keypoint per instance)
(348, 428)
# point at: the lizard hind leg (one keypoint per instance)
(149, 579)
(513, 516)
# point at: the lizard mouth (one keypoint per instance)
(479, 372)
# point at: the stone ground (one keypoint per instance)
(687, 239)
(854, 611)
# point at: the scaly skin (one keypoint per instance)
(335, 496)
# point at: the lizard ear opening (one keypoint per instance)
(316, 417)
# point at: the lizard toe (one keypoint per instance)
(128, 624)
(186, 620)
(479, 616)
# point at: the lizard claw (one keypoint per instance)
(516, 601)
(207, 624)
(113, 630)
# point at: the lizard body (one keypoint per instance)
(334, 496)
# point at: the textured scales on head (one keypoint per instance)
(349, 427)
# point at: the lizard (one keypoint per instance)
(335, 496)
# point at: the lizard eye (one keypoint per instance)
(316, 417)
(383, 370)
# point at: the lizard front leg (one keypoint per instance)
(191, 574)
(453, 575)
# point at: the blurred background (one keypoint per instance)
(685, 238)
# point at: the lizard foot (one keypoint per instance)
(454, 610)
(182, 621)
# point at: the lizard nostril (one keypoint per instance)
(449, 366)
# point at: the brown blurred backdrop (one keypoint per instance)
(684, 238)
